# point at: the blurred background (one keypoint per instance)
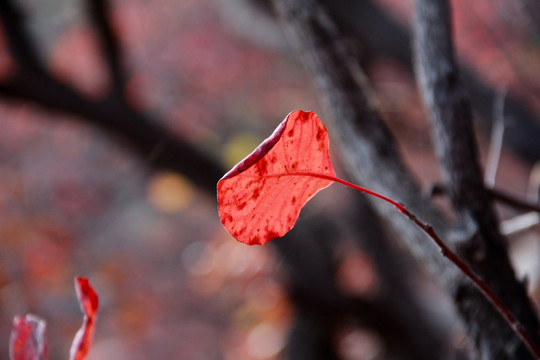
(75, 200)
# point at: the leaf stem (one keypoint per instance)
(399, 206)
(480, 284)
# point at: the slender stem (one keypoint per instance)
(508, 199)
(484, 288)
(399, 206)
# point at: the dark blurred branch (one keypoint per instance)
(100, 15)
(366, 146)
(369, 152)
(449, 108)
(31, 82)
(398, 276)
(497, 194)
(450, 111)
(382, 36)
(324, 307)
(512, 201)
(532, 11)
(143, 135)
(20, 44)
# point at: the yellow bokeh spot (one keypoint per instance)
(239, 147)
(169, 192)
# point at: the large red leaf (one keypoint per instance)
(28, 339)
(89, 303)
(261, 197)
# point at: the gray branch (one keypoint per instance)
(451, 114)
(369, 152)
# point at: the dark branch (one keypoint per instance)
(325, 307)
(512, 201)
(368, 151)
(382, 36)
(367, 147)
(497, 194)
(451, 114)
(100, 15)
(21, 46)
(143, 135)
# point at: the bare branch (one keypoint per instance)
(510, 200)
(100, 14)
(20, 44)
(369, 153)
(451, 114)
(139, 132)
(382, 36)
(496, 140)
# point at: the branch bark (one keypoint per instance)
(368, 150)
(100, 15)
(382, 36)
(451, 114)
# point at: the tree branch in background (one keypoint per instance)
(100, 13)
(324, 307)
(450, 111)
(532, 11)
(368, 150)
(31, 82)
(21, 46)
(398, 275)
(382, 36)
(141, 134)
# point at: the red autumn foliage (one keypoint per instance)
(88, 300)
(28, 337)
(261, 197)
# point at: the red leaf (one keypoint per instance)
(89, 303)
(261, 197)
(28, 339)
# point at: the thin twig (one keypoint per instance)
(497, 194)
(368, 151)
(495, 144)
(480, 284)
(513, 201)
(451, 114)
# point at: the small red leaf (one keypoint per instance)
(261, 197)
(28, 339)
(89, 303)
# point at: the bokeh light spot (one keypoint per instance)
(169, 192)
(239, 147)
